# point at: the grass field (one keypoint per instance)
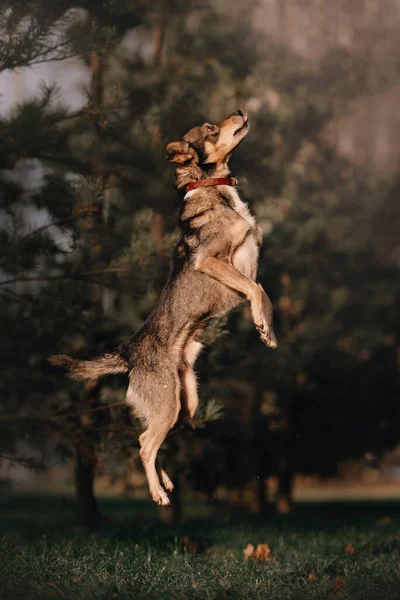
(321, 551)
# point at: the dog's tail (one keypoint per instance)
(84, 370)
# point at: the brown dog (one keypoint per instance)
(214, 266)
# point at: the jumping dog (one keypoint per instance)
(214, 268)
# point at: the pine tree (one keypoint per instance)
(102, 164)
(87, 275)
(86, 252)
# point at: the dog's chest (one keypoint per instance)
(245, 258)
(240, 207)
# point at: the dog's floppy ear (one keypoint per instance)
(180, 152)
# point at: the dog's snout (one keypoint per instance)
(237, 112)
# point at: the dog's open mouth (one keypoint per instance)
(242, 127)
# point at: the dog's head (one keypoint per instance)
(205, 150)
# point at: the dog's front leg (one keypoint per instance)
(268, 335)
(261, 306)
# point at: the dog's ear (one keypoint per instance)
(180, 152)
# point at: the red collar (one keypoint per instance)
(193, 185)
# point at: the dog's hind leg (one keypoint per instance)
(161, 416)
(189, 396)
(166, 481)
(150, 442)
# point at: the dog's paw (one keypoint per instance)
(267, 336)
(167, 483)
(160, 497)
(270, 340)
(164, 500)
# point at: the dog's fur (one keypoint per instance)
(214, 266)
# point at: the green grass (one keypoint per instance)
(44, 555)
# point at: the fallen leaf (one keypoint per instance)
(248, 551)
(349, 548)
(262, 553)
(312, 577)
(79, 579)
(338, 585)
(190, 545)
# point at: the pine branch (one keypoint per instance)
(112, 429)
(18, 55)
(86, 412)
(59, 417)
(82, 212)
(73, 276)
(15, 64)
(17, 297)
(26, 461)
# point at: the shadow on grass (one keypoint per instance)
(137, 521)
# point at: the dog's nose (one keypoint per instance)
(237, 112)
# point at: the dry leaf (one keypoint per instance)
(248, 551)
(312, 577)
(190, 545)
(338, 585)
(79, 579)
(262, 553)
(349, 548)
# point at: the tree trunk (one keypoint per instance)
(97, 78)
(282, 19)
(157, 231)
(157, 223)
(260, 434)
(262, 499)
(172, 515)
(87, 511)
(159, 33)
(284, 500)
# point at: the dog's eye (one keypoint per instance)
(210, 127)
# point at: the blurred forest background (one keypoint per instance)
(91, 93)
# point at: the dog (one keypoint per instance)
(214, 268)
